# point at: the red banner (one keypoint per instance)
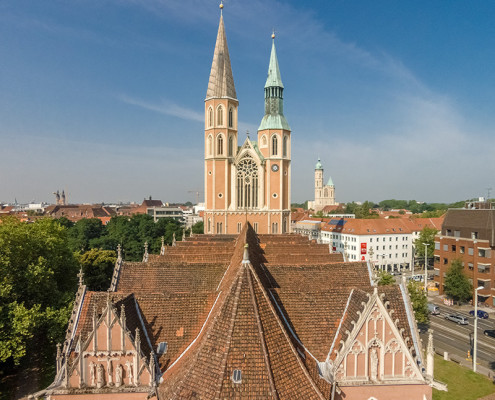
(363, 248)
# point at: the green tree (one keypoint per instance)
(37, 284)
(457, 284)
(97, 266)
(198, 227)
(83, 231)
(419, 301)
(385, 279)
(427, 235)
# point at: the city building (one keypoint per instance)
(324, 194)
(468, 235)
(250, 182)
(246, 316)
(76, 212)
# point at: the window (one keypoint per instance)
(445, 247)
(209, 225)
(220, 145)
(470, 251)
(237, 376)
(470, 266)
(457, 233)
(239, 227)
(231, 118)
(247, 183)
(284, 147)
(474, 235)
(255, 226)
(445, 261)
(219, 227)
(274, 145)
(210, 117)
(231, 146)
(210, 145)
(274, 227)
(263, 141)
(454, 248)
(449, 232)
(462, 249)
(220, 115)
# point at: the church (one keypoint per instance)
(248, 181)
(324, 194)
(254, 314)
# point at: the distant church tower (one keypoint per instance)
(250, 182)
(324, 194)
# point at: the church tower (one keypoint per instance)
(251, 181)
(324, 194)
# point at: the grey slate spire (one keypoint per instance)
(221, 83)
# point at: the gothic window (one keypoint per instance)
(231, 118)
(263, 141)
(220, 115)
(239, 227)
(209, 225)
(274, 145)
(210, 117)
(231, 146)
(247, 183)
(255, 227)
(210, 145)
(220, 145)
(219, 227)
(275, 227)
(284, 151)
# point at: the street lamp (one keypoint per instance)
(426, 266)
(475, 325)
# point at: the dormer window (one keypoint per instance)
(237, 376)
(162, 348)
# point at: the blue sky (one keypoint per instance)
(104, 98)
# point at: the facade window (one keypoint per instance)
(470, 251)
(209, 225)
(445, 247)
(231, 146)
(274, 145)
(275, 227)
(239, 227)
(255, 226)
(220, 115)
(454, 248)
(449, 232)
(284, 146)
(219, 227)
(210, 145)
(231, 118)
(445, 261)
(247, 183)
(457, 233)
(474, 235)
(220, 145)
(210, 117)
(462, 249)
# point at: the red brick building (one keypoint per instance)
(468, 235)
(247, 316)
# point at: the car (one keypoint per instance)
(433, 309)
(459, 319)
(481, 314)
(489, 332)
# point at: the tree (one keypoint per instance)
(457, 285)
(37, 284)
(385, 279)
(419, 301)
(83, 231)
(97, 266)
(427, 235)
(198, 227)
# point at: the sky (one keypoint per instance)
(104, 98)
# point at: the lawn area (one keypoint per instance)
(463, 383)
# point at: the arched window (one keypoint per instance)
(210, 145)
(231, 118)
(275, 227)
(284, 146)
(263, 141)
(247, 183)
(239, 227)
(210, 117)
(231, 146)
(274, 145)
(209, 225)
(220, 115)
(220, 145)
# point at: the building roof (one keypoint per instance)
(330, 182)
(467, 221)
(221, 83)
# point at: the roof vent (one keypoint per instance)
(162, 348)
(237, 376)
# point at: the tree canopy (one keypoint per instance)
(385, 279)
(457, 285)
(419, 301)
(97, 266)
(427, 235)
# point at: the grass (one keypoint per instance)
(463, 384)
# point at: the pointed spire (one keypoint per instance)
(221, 83)
(274, 78)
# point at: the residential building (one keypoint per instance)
(468, 235)
(324, 194)
(76, 212)
(250, 182)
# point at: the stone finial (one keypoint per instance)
(245, 258)
(137, 338)
(119, 252)
(162, 249)
(145, 255)
(80, 275)
(152, 370)
(122, 315)
(173, 239)
(183, 235)
(59, 357)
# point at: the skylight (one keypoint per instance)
(162, 348)
(237, 376)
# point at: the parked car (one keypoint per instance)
(481, 314)
(459, 319)
(489, 332)
(433, 309)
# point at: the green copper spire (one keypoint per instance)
(318, 164)
(274, 103)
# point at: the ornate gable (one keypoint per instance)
(249, 148)
(374, 350)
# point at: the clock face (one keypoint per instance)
(274, 167)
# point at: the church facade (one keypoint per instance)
(247, 181)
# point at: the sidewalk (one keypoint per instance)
(434, 297)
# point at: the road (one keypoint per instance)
(458, 339)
